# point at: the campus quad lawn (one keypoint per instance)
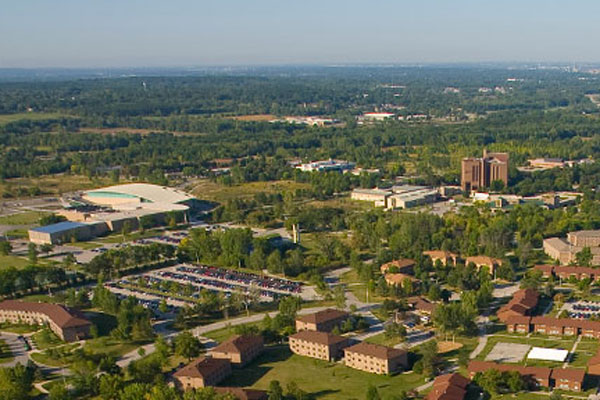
(321, 379)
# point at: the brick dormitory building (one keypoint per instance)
(449, 387)
(558, 378)
(322, 321)
(321, 345)
(374, 358)
(68, 324)
(239, 350)
(202, 372)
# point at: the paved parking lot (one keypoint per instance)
(582, 309)
(508, 352)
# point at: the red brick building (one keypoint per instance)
(449, 387)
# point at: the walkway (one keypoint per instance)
(572, 352)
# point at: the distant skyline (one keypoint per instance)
(152, 33)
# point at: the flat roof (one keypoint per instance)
(541, 353)
(146, 191)
(58, 227)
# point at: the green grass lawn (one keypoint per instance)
(19, 328)
(24, 218)
(321, 379)
(8, 118)
(17, 233)
(45, 339)
(13, 261)
(56, 356)
(223, 334)
(107, 345)
(5, 354)
(212, 191)
(384, 341)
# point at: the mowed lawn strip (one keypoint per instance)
(323, 380)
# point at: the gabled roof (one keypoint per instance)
(400, 264)
(61, 315)
(201, 367)
(483, 260)
(375, 350)
(243, 393)
(435, 254)
(238, 344)
(449, 387)
(420, 303)
(329, 314)
(324, 338)
(570, 374)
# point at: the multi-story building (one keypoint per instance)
(569, 271)
(68, 324)
(538, 376)
(322, 321)
(239, 350)
(478, 173)
(375, 358)
(449, 387)
(404, 265)
(565, 250)
(377, 196)
(202, 372)
(445, 257)
(321, 345)
(484, 261)
(522, 303)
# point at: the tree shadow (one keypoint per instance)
(253, 372)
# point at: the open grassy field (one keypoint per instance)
(323, 380)
(212, 191)
(53, 184)
(13, 261)
(107, 345)
(23, 218)
(223, 334)
(8, 118)
(254, 117)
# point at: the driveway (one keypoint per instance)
(17, 348)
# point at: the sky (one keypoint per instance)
(171, 33)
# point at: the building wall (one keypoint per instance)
(33, 318)
(239, 358)
(317, 350)
(372, 364)
(326, 326)
(212, 379)
(583, 241)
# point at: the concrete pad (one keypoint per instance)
(508, 352)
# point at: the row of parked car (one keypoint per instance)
(148, 303)
(243, 278)
(592, 307)
(212, 284)
(582, 315)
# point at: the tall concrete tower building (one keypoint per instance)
(478, 173)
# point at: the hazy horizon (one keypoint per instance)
(188, 34)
